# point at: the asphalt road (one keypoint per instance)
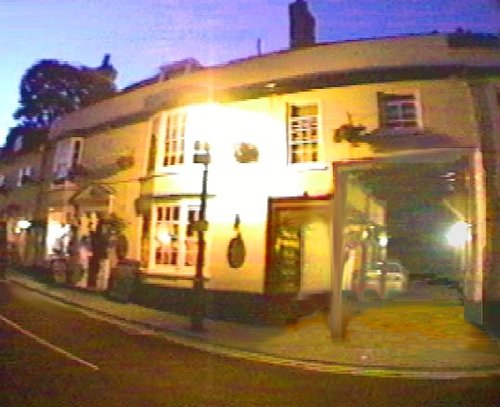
(54, 355)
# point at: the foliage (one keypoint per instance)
(351, 133)
(50, 89)
(116, 224)
(246, 153)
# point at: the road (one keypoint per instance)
(55, 355)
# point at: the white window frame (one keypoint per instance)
(310, 141)
(400, 99)
(65, 157)
(172, 140)
(18, 144)
(184, 243)
(24, 171)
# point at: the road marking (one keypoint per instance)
(48, 344)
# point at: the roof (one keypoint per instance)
(318, 66)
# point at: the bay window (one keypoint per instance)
(175, 243)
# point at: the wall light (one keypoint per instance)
(23, 224)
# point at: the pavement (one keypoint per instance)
(418, 340)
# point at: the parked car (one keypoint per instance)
(381, 280)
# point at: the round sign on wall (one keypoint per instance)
(236, 252)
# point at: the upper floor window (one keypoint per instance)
(76, 152)
(303, 141)
(398, 110)
(174, 139)
(18, 144)
(155, 130)
(175, 242)
(25, 175)
(68, 155)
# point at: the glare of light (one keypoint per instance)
(459, 234)
(383, 240)
(23, 224)
(163, 236)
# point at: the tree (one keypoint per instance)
(51, 89)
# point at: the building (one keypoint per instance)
(21, 203)
(283, 131)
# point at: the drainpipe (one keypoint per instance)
(335, 322)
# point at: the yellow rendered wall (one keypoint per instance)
(101, 150)
(244, 189)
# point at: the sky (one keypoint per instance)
(142, 35)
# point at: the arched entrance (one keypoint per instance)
(431, 250)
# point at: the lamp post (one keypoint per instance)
(201, 156)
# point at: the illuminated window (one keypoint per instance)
(174, 139)
(398, 110)
(2, 180)
(303, 133)
(176, 244)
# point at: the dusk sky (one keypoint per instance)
(142, 35)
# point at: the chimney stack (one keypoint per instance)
(302, 25)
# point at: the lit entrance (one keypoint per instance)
(427, 249)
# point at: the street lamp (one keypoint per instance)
(459, 234)
(459, 237)
(201, 156)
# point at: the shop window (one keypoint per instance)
(176, 244)
(398, 110)
(303, 142)
(174, 139)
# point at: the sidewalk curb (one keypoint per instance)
(192, 340)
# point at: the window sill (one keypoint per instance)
(169, 278)
(316, 166)
(63, 185)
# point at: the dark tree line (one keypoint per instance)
(50, 89)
